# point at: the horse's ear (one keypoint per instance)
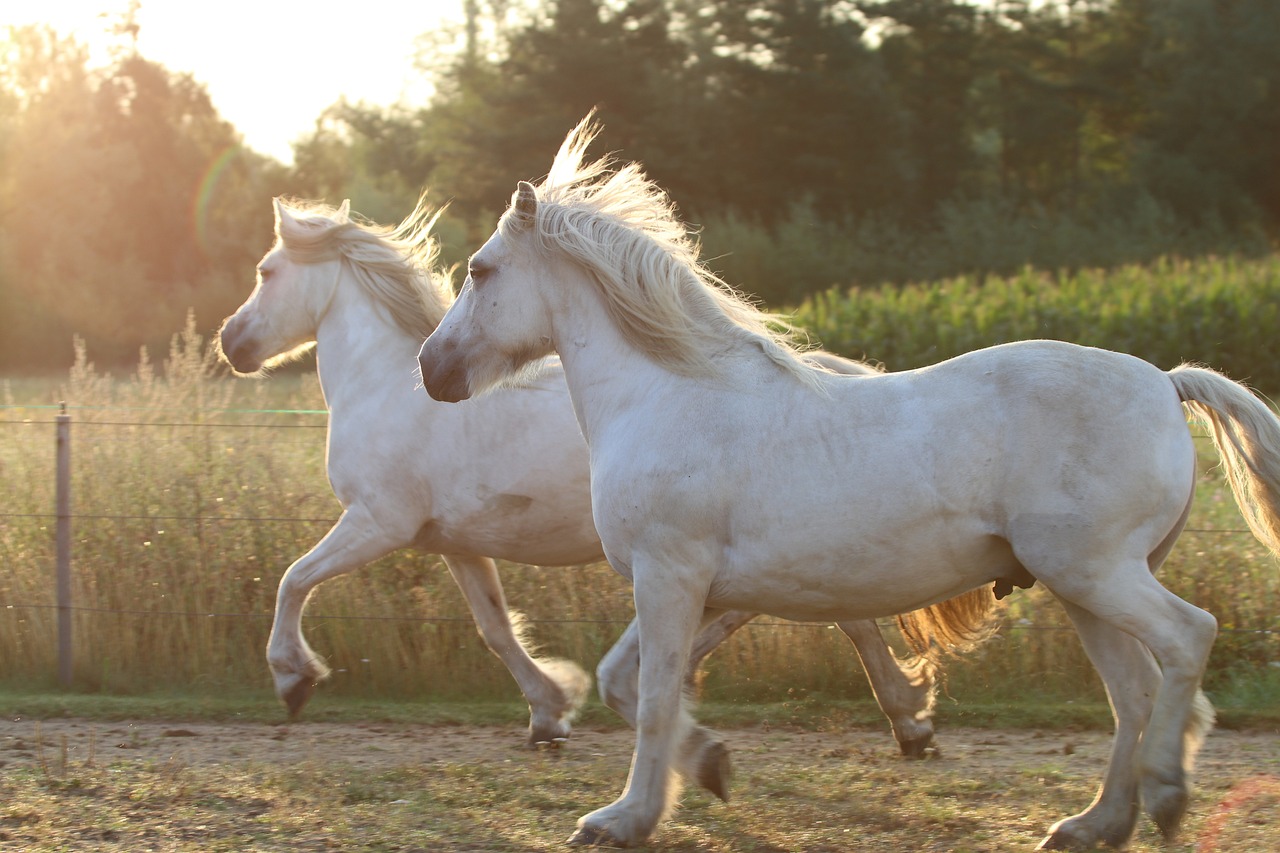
(525, 203)
(343, 213)
(282, 213)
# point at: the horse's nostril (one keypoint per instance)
(236, 349)
(230, 343)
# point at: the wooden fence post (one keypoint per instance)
(63, 540)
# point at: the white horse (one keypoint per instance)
(726, 472)
(504, 477)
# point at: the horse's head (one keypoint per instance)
(295, 283)
(499, 325)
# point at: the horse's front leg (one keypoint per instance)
(555, 689)
(352, 542)
(669, 612)
(904, 690)
(704, 757)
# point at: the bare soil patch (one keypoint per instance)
(1024, 777)
(1226, 755)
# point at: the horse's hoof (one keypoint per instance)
(589, 836)
(556, 733)
(1059, 840)
(554, 744)
(1056, 842)
(542, 737)
(714, 770)
(1168, 813)
(1073, 834)
(297, 696)
(920, 747)
(1166, 803)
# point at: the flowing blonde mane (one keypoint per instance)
(396, 266)
(622, 227)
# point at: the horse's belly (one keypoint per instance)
(861, 583)
(538, 529)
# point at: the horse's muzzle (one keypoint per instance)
(444, 374)
(236, 349)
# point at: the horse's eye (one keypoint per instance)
(478, 272)
(265, 274)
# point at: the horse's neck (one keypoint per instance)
(360, 349)
(607, 376)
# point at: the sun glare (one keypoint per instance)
(270, 68)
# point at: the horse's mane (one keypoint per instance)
(622, 227)
(397, 266)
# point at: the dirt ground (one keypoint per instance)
(1235, 768)
(374, 745)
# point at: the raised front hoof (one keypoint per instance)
(590, 836)
(715, 770)
(296, 697)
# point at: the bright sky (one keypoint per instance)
(270, 66)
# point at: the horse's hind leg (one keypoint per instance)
(1131, 678)
(709, 639)
(904, 691)
(1182, 716)
(1180, 636)
(352, 543)
(555, 689)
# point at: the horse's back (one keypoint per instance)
(1047, 411)
(1044, 389)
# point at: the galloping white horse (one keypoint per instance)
(728, 473)
(504, 477)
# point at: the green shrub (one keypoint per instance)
(1223, 312)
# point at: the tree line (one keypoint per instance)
(813, 143)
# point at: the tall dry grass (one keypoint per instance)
(193, 491)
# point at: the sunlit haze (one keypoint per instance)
(270, 66)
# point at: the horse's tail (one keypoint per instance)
(952, 626)
(1247, 435)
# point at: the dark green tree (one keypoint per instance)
(930, 50)
(1211, 86)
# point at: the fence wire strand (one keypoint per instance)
(430, 620)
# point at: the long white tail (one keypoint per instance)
(1247, 435)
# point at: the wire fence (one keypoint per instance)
(153, 421)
